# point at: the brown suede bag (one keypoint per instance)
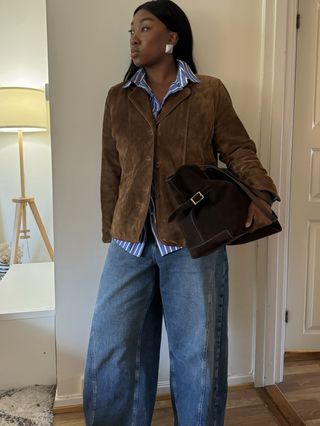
(213, 208)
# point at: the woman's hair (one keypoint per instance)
(174, 18)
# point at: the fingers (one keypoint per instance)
(250, 216)
(256, 219)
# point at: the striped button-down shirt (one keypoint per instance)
(184, 74)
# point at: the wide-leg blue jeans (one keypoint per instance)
(121, 373)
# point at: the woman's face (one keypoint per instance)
(148, 39)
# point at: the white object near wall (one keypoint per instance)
(27, 329)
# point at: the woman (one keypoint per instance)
(162, 116)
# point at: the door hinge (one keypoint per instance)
(298, 21)
(286, 318)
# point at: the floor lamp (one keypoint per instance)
(23, 110)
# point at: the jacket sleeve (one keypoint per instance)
(110, 174)
(237, 150)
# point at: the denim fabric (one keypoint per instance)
(121, 372)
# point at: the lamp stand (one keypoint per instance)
(20, 214)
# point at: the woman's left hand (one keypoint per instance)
(256, 217)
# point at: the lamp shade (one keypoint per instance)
(22, 108)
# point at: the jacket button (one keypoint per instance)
(157, 164)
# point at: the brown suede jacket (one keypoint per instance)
(195, 124)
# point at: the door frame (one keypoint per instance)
(276, 137)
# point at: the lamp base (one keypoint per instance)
(20, 214)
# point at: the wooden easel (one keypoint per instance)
(20, 214)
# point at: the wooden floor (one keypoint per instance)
(248, 407)
(302, 388)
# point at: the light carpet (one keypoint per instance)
(27, 406)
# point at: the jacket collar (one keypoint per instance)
(139, 97)
(184, 74)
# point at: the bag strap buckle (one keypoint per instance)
(197, 197)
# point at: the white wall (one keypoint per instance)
(88, 52)
(24, 62)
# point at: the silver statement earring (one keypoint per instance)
(169, 48)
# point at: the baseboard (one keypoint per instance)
(240, 379)
(66, 401)
(163, 387)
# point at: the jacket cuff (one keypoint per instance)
(268, 196)
(106, 237)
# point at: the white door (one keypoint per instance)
(303, 303)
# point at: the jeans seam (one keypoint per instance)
(205, 354)
(173, 381)
(94, 379)
(218, 348)
(138, 365)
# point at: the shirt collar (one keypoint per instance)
(184, 74)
